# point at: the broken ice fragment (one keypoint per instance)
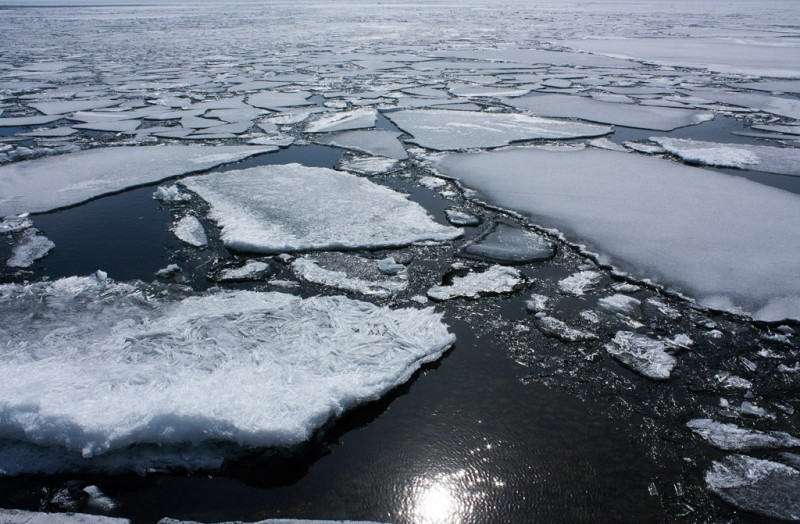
(251, 270)
(762, 486)
(537, 303)
(30, 247)
(285, 208)
(509, 244)
(461, 218)
(378, 143)
(309, 269)
(620, 304)
(388, 266)
(580, 282)
(780, 160)
(553, 327)
(643, 354)
(496, 279)
(188, 229)
(171, 194)
(356, 119)
(731, 437)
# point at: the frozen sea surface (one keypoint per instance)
(736, 251)
(284, 208)
(93, 366)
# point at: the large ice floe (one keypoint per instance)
(49, 183)
(286, 208)
(780, 160)
(628, 115)
(456, 130)
(729, 242)
(762, 486)
(373, 142)
(91, 367)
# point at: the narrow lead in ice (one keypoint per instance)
(762, 486)
(90, 367)
(780, 160)
(457, 130)
(287, 208)
(731, 437)
(189, 230)
(733, 246)
(643, 354)
(76, 177)
(496, 279)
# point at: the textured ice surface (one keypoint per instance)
(18, 516)
(731, 437)
(537, 303)
(789, 107)
(762, 486)
(170, 194)
(378, 143)
(77, 177)
(285, 208)
(30, 247)
(346, 120)
(553, 327)
(732, 245)
(454, 130)
(619, 304)
(188, 229)
(780, 160)
(628, 115)
(580, 282)
(644, 355)
(251, 270)
(13, 224)
(94, 366)
(461, 218)
(496, 279)
(308, 269)
(70, 106)
(510, 244)
(370, 165)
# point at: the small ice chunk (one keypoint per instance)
(761, 486)
(284, 208)
(431, 182)
(590, 316)
(370, 165)
(98, 499)
(729, 381)
(748, 408)
(509, 244)
(605, 143)
(171, 194)
(457, 130)
(662, 308)
(496, 279)
(23, 121)
(30, 247)
(251, 270)
(309, 269)
(388, 266)
(780, 160)
(356, 119)
(553, 327)
(170, 271)
(625, 287)
(730, 437)
(461, 218)
(641, 147)
(537, 303)
(644, 355)
(620, 304)
(13, 224)
(188, 229)
(579, 283)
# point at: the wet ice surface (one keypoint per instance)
(780, 160)
(494, 432)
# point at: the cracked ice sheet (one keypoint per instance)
(287, 208)
(733, 246)
(77, 177)
(457, 130)
(377, 143)
(628, 115)
(91, 367)
(780, 160)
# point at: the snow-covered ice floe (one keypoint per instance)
(496, 279)
(628, 115)
(733, 245)
(49, 183)
(762, 486)
(731, 437)
(91, 367)
(30, 247)
(780, 160)
(373, 142)
(287, 208)
(457, 130)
